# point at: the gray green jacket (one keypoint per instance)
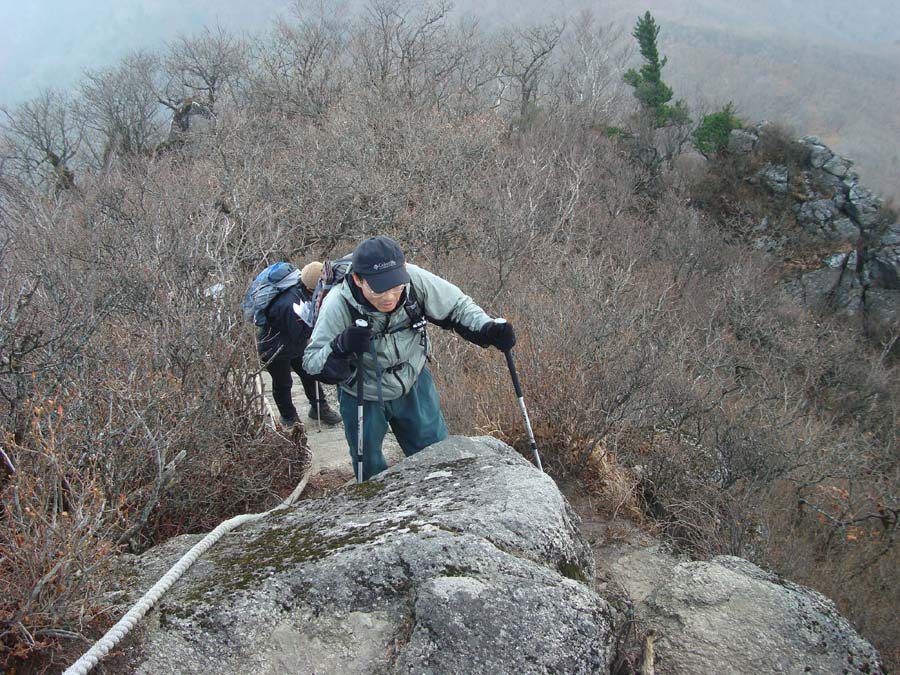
(401, 354)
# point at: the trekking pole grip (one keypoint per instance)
(360, 323)
(521, 398)
(512, 372)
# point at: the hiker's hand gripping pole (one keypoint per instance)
(361, 323)
(518, 387)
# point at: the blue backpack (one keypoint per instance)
(267, 286)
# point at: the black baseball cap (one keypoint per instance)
(380, 262)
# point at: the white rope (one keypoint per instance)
(112, 637)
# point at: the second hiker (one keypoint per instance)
(281, 342)
(396, 299)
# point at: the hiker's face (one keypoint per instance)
(383, 302)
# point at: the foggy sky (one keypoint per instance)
(48, 43)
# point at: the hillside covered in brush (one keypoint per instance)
(649, 258)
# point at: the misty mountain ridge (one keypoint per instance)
(809, 65)
(710, 342)
(848, 97)
(874, 23)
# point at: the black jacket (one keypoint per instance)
(284, 328)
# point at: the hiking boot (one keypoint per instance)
(290, 422)
(324, 414)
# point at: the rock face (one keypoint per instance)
(461, 559)
(831, 205)
(190, 118)
(728, 616)
(835, 284)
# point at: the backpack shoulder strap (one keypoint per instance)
(276, 297)
(414, 310)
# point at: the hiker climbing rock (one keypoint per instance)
(281, 339)
(395, 299)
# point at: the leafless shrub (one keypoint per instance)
(300, 69)
(523, 56)
(130, 412)
(404, 51)
(589, 71)
(54, 543)
(778, 144)
(662, 365)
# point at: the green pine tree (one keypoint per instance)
(711, 137)
(649, 89)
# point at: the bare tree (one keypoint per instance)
(300, 66)
(589, 77)
(523, 57)
(404, 49)
(43, 136)
(203, 68)
(121, 110)
(468, 90)
(45, 321)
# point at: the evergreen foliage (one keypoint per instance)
(711, 137)
(649, 89)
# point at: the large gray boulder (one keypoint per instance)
(819, 155)
(837, 166)
(816, 289)
(461, 559)
(863, 205)
(833, 287)
(843, 229)
(883, 259)
(727, 616)
(826, 185)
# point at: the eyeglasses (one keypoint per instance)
(396, 290)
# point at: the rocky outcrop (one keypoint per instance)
(190, 118)
(728, 616)
(465, 559)
(461, 559)
(837, 284)
(775, 177)
(831, 205)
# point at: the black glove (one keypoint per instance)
(500, 335)
(354, 340)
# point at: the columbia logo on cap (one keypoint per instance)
(384, 265)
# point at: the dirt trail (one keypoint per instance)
(330, 454)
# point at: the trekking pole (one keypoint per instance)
(518, 387)
(319, 394)
(361, 323)
(300, 312)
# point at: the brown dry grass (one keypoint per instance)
(661, 363)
